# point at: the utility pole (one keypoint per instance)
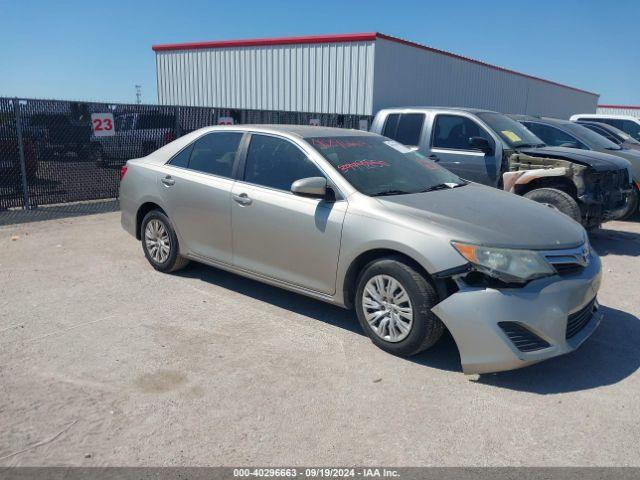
(138, 94)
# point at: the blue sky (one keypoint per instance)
(99, 50)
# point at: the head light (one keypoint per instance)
(505, 264)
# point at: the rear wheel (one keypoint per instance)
(557, 200)
(393, 303)
(160, 243)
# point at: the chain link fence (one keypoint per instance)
(57, 152)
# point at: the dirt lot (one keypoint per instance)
(103, 361)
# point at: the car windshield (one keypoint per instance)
(378, 166)
(589, 137)
(622, 136)
(512, 132)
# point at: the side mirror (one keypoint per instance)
(310, 187)
(480, 143)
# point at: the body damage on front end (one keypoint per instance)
(601, 195)
(499, 326)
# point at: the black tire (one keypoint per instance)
(633, 205)
(174, 260)
(558, 200)
(426, 327)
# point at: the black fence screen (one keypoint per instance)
(55, 152)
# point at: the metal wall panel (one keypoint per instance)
(406, 75)
(323, 78)
(621, 110)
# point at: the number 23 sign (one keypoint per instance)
(102, 124)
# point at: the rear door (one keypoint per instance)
(196, 188)
(280, 235)
(449, 145)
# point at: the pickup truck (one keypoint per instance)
(492, 149)
(136, 135)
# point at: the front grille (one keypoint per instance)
(612, 179)
(522, 338)
(568, 268)
(578, 320)
(567, 262)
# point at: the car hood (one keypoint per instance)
(632, 156)
(597, 160)
(487, 216)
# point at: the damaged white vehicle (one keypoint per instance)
(490, 148)
(363, 222)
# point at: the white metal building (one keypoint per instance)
(633, 110)
(349, 74)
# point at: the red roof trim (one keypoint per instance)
(630, 107)
(348, 37)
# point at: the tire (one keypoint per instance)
(633, 205)
(161, 228)
(558, 200)
(425, 328)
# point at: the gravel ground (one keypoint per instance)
(104, 361)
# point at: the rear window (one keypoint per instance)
(404, 128)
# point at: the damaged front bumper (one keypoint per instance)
(557, 314)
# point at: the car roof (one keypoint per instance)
(551, 120)
(302, 131)
(455, 109)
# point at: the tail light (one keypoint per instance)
(123, 172)
(168, 137)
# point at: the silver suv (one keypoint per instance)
(361, 221)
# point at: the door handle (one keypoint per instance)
(168, 181)
(434, 157)
(242, 199)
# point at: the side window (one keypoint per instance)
(391, 125)
(181, 159)
(631, 128)
(276, 163)
(553, 136)
(454, 132)
(215, 153)
(404, 128)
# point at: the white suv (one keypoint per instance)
(627, 123)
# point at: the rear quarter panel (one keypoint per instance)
(138, 187)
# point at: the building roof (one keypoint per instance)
(341, 38)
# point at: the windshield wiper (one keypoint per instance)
(443, 186)
(385, 193)
(530, 145)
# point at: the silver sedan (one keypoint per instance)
(361, 221)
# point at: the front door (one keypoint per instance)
(449, 146)
(280, 235)
(196, 188)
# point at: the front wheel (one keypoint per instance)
(633, 205)
(557, 200)
(160, 243)
(393, 303)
